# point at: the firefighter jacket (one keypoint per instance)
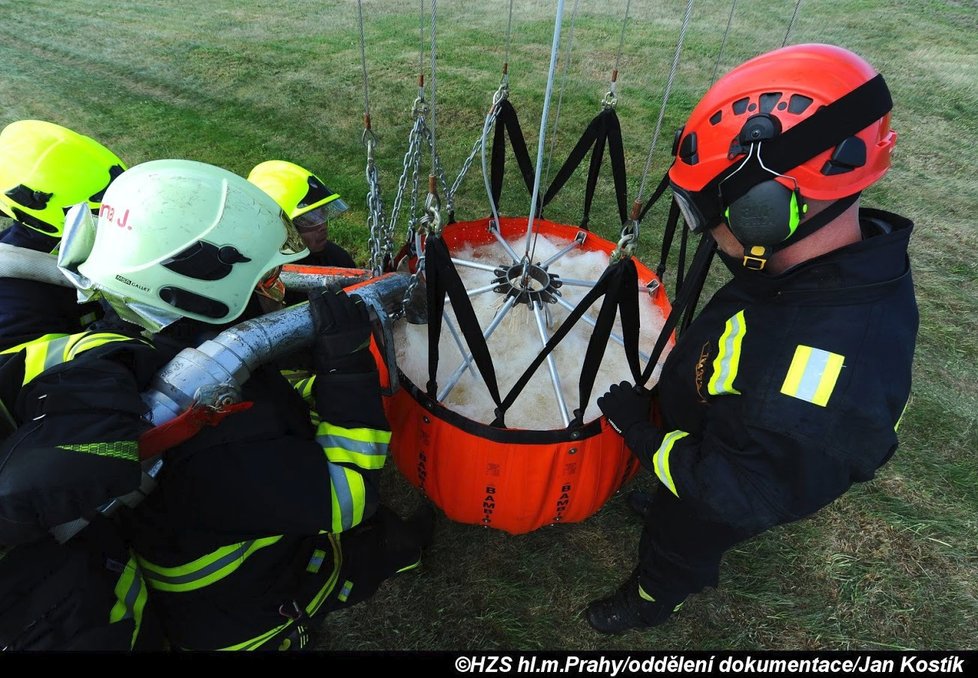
(240, 542)
(787, 389)
(73, 405)
(29, 308)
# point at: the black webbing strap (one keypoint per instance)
(599, 288)
(826, 128)
(697, 287)
(681, 260)
(621, 296)
(694, 283)
(667, 236)
(442, 278)
(604, 129)
(507, 122)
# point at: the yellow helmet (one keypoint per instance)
(299, 192)
(46, 168)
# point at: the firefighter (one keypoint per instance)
(45, 169)
(310, 203)
(265, 520)
(789, 385)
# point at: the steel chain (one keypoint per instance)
(375, 207)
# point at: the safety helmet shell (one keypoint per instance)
(295, 189)
(189, 238)
(46, 168)
(789, 84)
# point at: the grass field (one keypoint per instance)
(893, 564)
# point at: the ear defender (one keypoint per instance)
(768, 214)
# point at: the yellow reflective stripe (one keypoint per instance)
(349, 496)
(42, 339)
(304, 387)
(130, 598)
(727, 362)
(902, 412)
(86, 342)
(327, 588)
(812, 375)
(257, 641)
(345, 591)
(127, 450)
(364, 435)
(53, 349)
(645, 596)
(409, 567)
(661, 459)
(205, 570)
(362, 447)
(311, 609)
(39, 356)
(302, 382)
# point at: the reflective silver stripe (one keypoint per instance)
(812, 376)
(345, 591)
(343, 495)
(132, 594)
(316, 561)
(176, 580)
(358, 446)
(727, 362)
(55, 352)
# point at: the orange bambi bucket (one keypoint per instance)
(515, 480)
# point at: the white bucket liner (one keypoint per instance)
(516, 342)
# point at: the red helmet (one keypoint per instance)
(760, 101)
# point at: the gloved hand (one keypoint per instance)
(629, 412)
(342, 332)
(625, 407)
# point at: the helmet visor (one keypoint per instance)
(690, 210)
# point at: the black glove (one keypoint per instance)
(625, 407)
(629, 412)
(342, 332)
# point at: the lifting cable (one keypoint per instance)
(541, 139)
(604, 130)
(375, 206)
(723, 43)
(791, 23)
(689, 290)
(619, 285)
(568, 59)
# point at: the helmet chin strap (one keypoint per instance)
(756, 256)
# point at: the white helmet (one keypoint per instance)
(178, 238)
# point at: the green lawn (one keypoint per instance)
(893, 564)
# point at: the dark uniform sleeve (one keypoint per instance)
(79, 419)
(752, 476)
(267, 470)
(354, 435)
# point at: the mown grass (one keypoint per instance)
(893, 564)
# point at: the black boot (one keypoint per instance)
(407, 537)
(421, 524)
(628, 609)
